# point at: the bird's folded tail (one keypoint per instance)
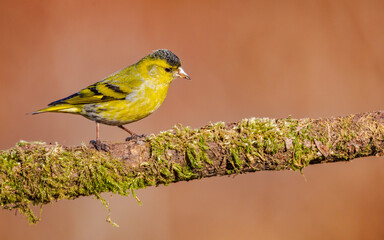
(64, 108)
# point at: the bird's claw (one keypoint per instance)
(134, 137)
(99, 146)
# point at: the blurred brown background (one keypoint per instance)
(246, 58)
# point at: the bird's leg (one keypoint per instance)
(127, 130)
(133, 135)
(98, 144)
(97, 132)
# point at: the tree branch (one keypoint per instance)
(37, 173)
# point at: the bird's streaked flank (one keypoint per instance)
(125, 96)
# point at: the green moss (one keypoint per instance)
(184, 141)
(34, 174)
(250, 141)
(37, 174)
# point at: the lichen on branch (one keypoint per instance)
(35, 173)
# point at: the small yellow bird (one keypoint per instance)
(125, 96)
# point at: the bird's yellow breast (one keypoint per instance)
(137, 105)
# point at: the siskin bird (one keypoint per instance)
(126, 96)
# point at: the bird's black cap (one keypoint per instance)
(168, 56)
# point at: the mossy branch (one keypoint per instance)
(37, 173)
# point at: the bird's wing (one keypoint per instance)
(109, 89)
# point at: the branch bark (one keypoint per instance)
(37, 173)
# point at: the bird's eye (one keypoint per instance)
(167, 69)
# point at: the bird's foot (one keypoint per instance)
(135, 137)
(99, 146)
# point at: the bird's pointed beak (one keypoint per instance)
(180, 73)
